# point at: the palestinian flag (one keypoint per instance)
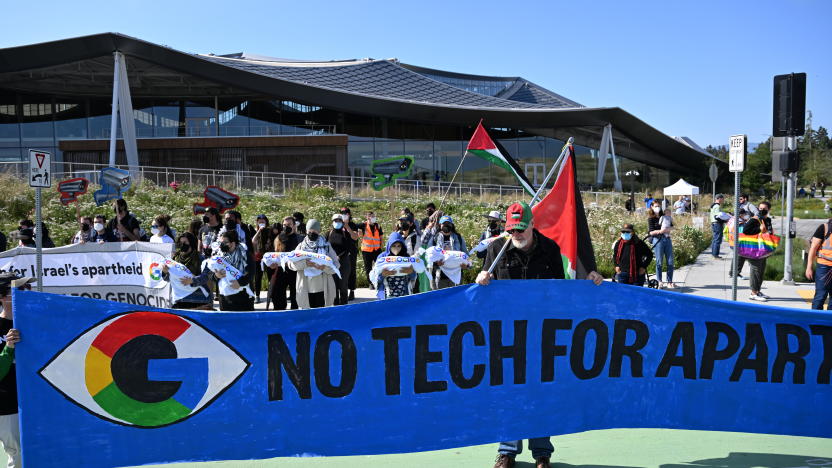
(483, 146)
(560, 216)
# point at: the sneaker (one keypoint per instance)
(758, 297)
(504, 461)
(352, 295)
(765, 296)
(740, 276)
(542, 462)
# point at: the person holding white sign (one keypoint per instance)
(188, 256)
(316, 288)
(235, 295)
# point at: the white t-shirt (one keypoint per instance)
(666, 222)
(163, 239)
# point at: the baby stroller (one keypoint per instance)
(649, 281)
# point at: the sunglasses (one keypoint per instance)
(516, 231)
(626, 232)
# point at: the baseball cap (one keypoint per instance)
(446, 219)
(518, 216)
(337, 216)
(494, 214)
(627, 227)
(719, 195)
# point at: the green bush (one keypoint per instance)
(146, 200)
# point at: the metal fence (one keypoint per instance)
(280, 183)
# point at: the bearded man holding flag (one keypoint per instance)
(559, 249)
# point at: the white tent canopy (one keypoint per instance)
(681, 188)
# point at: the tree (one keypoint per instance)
(815, 156)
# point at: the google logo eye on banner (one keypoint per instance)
(145, 369)
(154, 271)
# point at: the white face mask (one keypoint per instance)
(98, 227)
(262, 225)
(657, 209)
(154, 231)
(372, 219)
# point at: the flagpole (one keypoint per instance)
(534, 201)
(442, 202)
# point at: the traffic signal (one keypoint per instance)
(789, 105)
(785, 161)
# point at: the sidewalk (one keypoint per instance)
(709, 277)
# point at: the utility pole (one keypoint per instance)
(789, 121)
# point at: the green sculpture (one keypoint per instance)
(386, 171)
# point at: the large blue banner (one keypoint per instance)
(109, 384)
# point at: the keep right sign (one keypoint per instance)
(736, 153)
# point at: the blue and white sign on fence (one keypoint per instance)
(109, 384)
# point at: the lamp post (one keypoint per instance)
(632, 174)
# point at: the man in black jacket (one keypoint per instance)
(9, 424)
(531, 255)
(631, 256)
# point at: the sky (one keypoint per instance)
(702, 68)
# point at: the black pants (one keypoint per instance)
(353, 263)
(281, 279)
(342, 283)
(237, 302)
(317, 300)
(258, 279)
(369, 260)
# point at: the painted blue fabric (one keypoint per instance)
(456, 367)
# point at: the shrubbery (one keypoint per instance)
(321, 202)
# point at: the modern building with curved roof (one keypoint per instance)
(243, 111)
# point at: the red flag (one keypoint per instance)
(560, 216)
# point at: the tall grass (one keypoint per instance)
(147, 200)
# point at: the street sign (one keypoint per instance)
(40, 168)
(713, 172)
(736, 153)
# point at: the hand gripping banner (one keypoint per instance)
(109, 384)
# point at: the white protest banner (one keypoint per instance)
(128, 272)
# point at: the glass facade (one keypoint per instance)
(488, 87)
(41, 122)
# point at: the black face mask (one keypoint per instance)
(230, 225)
(287, 228)
(185, 248)
(205, 219)
(446, 229)
(313, 236)
(429, 212)
(224, 247)
(85, 227)
(763, 213)
(493, 224)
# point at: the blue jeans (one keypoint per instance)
(717, 240)
(822, 288)
(663, 249)
(540, 447)
(624, 278)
